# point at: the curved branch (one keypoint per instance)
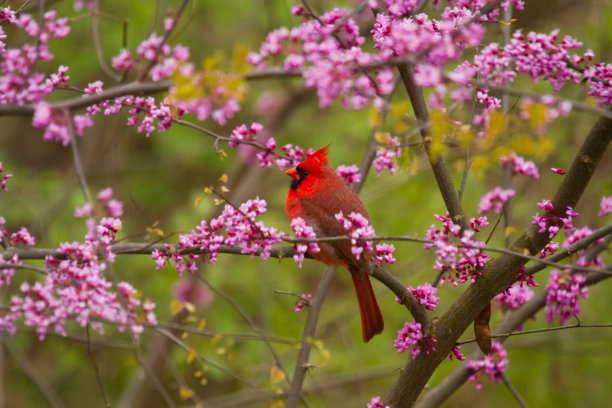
(295, 389)
(88, 100)
(499, 273)
(437, 395)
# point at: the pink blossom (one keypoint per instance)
(387, 155)
(123, 60)
(384, 253)
(493, 365)
(301, 230)
(605, 205)
(411, 338)
(494, 200)
(456, 250)
(520, 165)
(558, 171)
(350, 174)
(94, 88)
(514, 297)
(554, 223)
(302, 303)
(425, 294)
(456, 353)
(375, 403)
(3, 179)
(358, 227)
(564, 290)
(235, 227)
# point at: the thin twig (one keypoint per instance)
(295, 389)
(288, 251)
(250, 321)
(211, 333)
(95, 34)
(541, 330)
(97, 371)
(513, 391)
(152, 376)
(163, 42)
(78, 165)
(205, 361)
(33, 373)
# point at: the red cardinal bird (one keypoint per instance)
(317, 193)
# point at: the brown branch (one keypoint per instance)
(513, 319)
(499, 273)
(295, 389)
(438, 166)
(88, 100)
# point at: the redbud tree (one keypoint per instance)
(144, 240)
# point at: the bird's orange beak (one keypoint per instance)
(292, 172)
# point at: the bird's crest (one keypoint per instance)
(319, 157)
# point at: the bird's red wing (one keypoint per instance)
(320, 215)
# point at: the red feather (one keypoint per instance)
(317, 193)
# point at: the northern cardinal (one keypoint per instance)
(316, 194)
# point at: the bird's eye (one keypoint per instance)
(302, 173)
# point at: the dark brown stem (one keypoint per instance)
(499, 273)
(438, 166)
(295, 389)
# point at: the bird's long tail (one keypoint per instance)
(371, 318)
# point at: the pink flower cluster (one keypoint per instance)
(514, 297)
(387, 155)
(350, 174)
(19, 83)
(5, 177)
(152, 112)
(55, 123)
(21, 237)
(384, 253)
(425, 294)
(75, 288)
(494, 200)
(217, 98)
(292, 155)
(300, 304)
(375, 403)
(330, 57)
(456, 353)
(301, 230)
(451, 244)
(566, 287)
(201, 99)
(564, 290)
(553, 224)
(558, 170)
(358, 227)
(411, 338)
(521, 166)
(235, 227)
(242, 133)
(493, 365)
(605, 206)
(552, 110)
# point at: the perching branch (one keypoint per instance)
(499, 273)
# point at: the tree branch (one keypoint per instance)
(499, 273)
(295, 389)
